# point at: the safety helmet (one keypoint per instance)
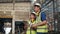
(37, 4)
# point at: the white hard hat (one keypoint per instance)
(34, 12)
(37, 4)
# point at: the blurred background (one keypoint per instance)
(13, 13)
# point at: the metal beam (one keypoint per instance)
(13, 21)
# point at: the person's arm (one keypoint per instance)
(39, 24)
(42, 23)
(43, 18)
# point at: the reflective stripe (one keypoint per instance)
(42, 30)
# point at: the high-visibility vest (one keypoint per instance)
(29, 30)
(43, 28)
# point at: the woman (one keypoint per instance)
(31, 21)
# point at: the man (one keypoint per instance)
(41, 18)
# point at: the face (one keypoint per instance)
(32, 16)
(36, 9)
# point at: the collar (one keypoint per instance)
(32, 21)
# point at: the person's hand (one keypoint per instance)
(25, 26)
(34, 26)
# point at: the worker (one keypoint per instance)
(31, 21)
(41, 25)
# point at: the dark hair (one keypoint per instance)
(36, 5)
(34, 15)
